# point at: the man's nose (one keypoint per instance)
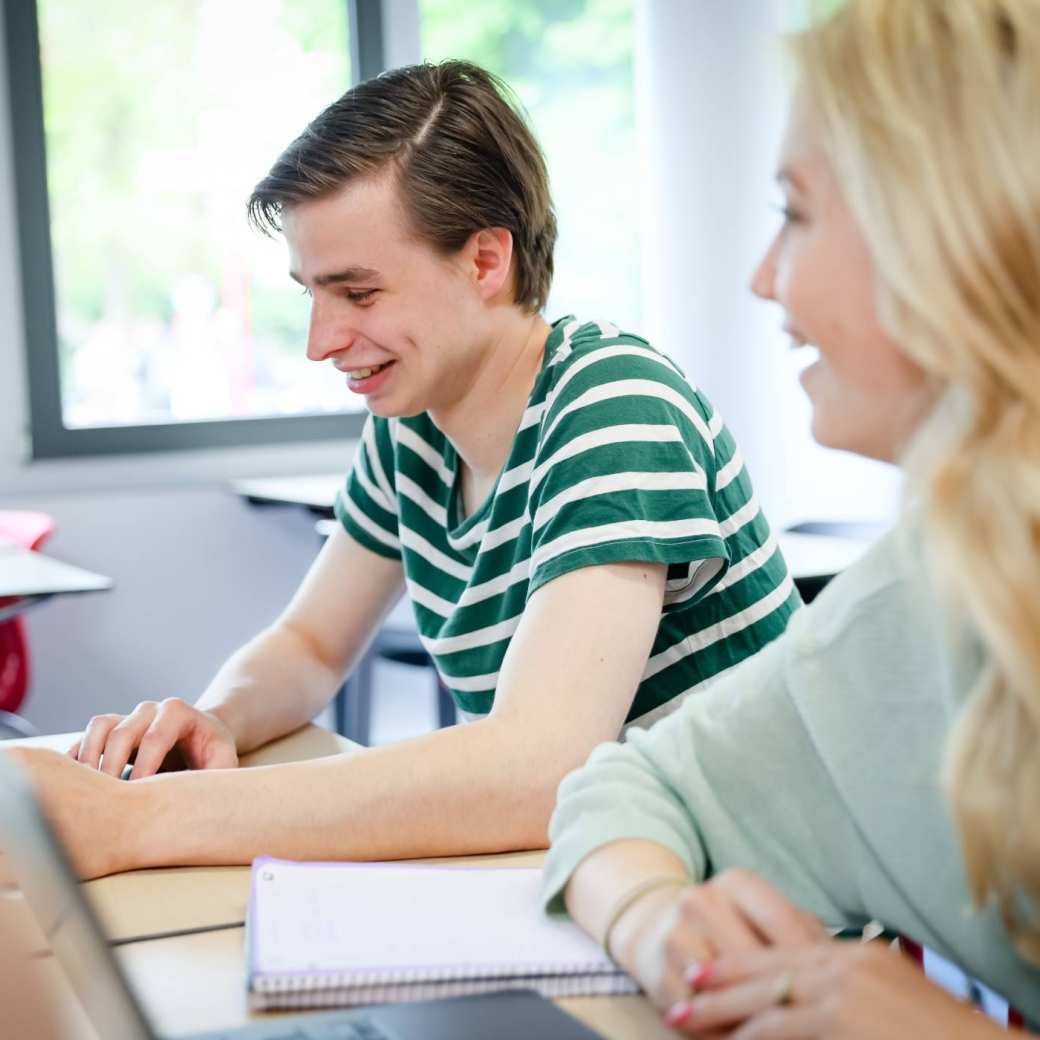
(327, 334)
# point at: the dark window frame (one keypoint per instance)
(49, 437)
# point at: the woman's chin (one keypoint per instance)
(839, 434)
(829, 431)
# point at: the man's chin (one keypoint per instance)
(388, 409)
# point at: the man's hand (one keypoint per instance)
(90, 812)
(171, 734)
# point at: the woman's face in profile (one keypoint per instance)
(867, 396)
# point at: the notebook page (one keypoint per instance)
(391, 919)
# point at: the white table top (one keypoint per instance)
(808, 555)
(314, 490)
(26, 573)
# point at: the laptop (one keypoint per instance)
(75, 936)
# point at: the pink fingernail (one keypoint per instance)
(697, 975)
(679, 1014)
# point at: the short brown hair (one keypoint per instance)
(465, 160)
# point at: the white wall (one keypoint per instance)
(711, 101)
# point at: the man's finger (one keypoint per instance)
(159, 740)
(124, 737)
(94, 738)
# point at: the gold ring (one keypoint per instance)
(783, 990)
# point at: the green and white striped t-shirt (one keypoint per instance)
(616, 458)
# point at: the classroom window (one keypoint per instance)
(169, 313)
(155, 317)
(571, 63)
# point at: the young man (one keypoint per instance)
(571, 520)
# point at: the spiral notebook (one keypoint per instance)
(339, 934)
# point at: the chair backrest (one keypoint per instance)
(26, 528)
(14, 665)
(29, 530)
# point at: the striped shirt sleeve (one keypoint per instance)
(366, 505)
(622, 472)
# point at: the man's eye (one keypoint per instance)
(360, 295)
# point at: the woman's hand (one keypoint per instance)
(171, 734)
(667, 937)
(832, 990)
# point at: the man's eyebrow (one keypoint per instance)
(348, 274)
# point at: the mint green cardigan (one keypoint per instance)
(816, 764)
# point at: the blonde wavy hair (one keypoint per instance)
(929, 111)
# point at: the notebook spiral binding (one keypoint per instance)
(303, 992)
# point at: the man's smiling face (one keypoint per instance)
(400, 319)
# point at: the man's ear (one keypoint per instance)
(490, 251)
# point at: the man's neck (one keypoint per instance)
(483, 424)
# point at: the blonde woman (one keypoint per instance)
(882, 759)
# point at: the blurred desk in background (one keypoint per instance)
(315, 491)
(811, 556)
(28, 578)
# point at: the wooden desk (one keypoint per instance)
(196, 982)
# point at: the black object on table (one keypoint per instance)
(810, 586)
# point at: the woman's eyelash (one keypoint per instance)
(789, 214)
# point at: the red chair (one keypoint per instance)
(29, 530)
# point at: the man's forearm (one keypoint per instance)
(466, 789)
(271, 686)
